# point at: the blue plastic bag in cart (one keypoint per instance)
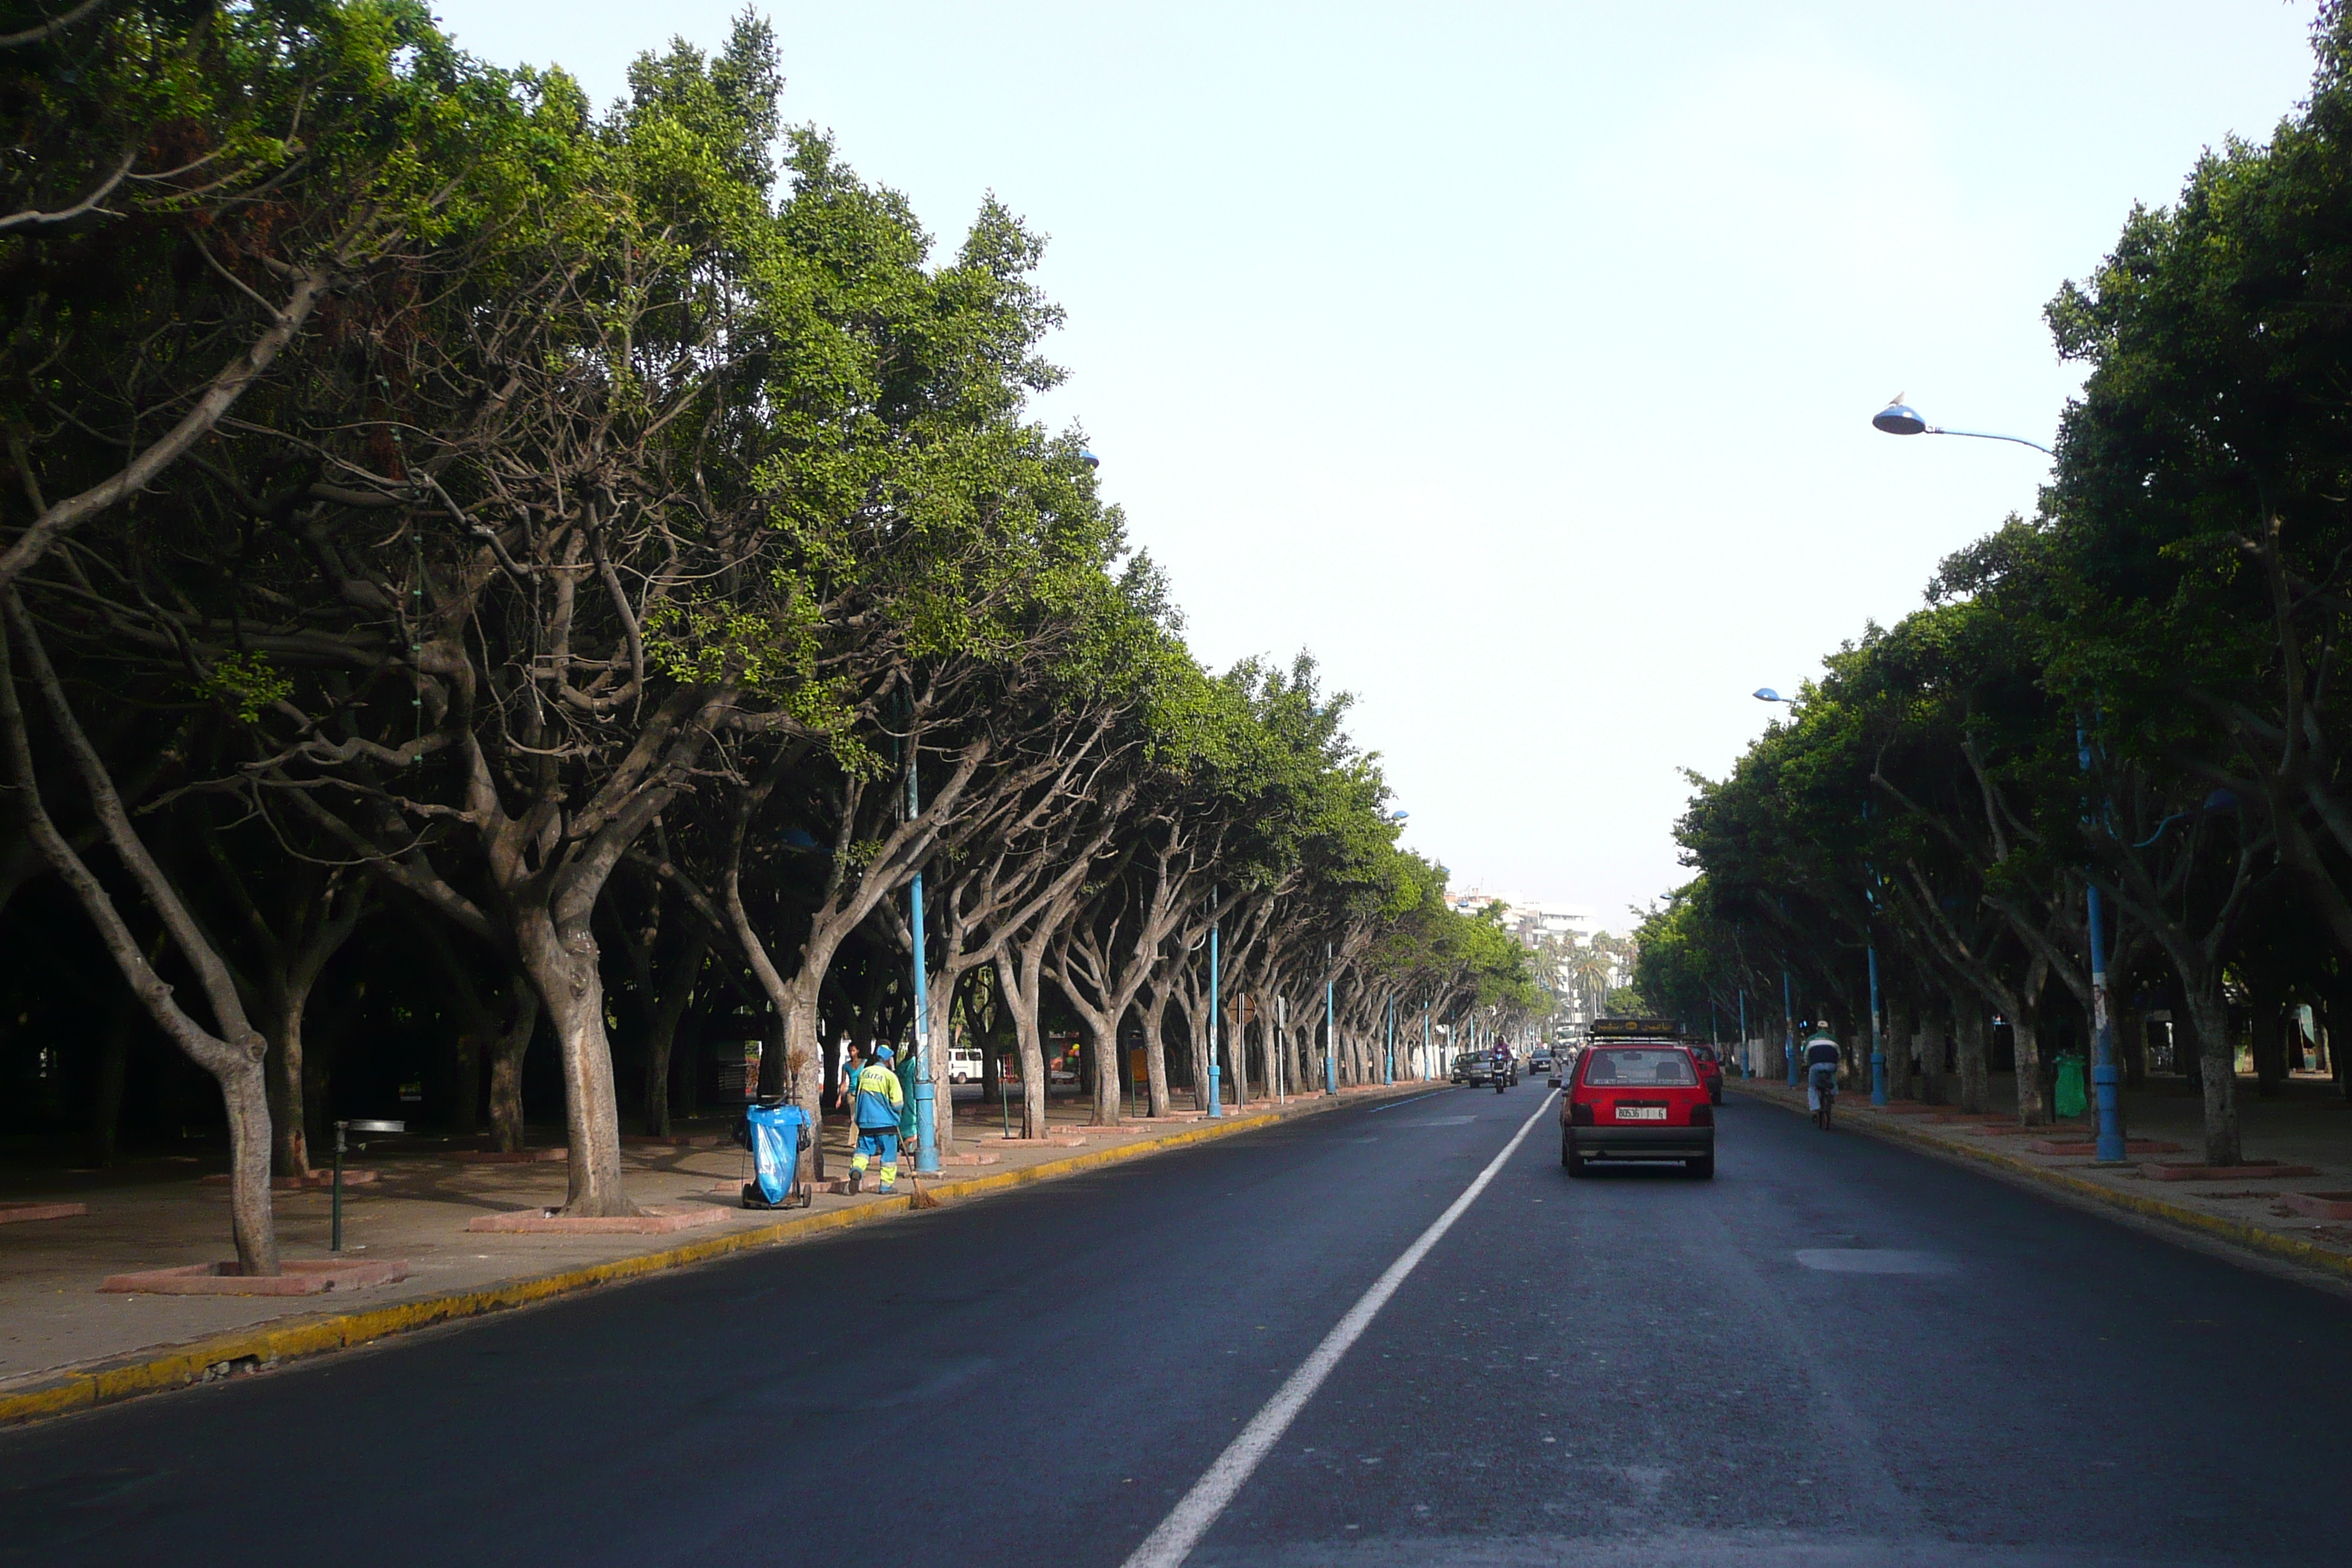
(776, 1134)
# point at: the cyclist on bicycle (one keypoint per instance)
(1821, 1062)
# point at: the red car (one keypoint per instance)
(1710, 1071)
(1640, 1101)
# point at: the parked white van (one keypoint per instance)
(964, 1065)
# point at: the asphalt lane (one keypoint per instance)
(1836, 1352)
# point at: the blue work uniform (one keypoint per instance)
(878, 1103)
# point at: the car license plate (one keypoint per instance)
(1641, 1113)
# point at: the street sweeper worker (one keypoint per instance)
(879, 1100)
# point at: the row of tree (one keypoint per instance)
(2137, 693)
(563, 572)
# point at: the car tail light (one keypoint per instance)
(1580, 1114)
(1701, 1114)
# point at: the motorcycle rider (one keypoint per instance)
(1502, 1064)
(1821, 1063)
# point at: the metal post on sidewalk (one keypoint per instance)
(1330, 1040)
(1424, 1042)
(2106, 1079)
(927, 1134)
(1216, 1106)
(1789, 1024)
(1278, 1061)
(1389, 1073)
(1331, 1028)
(335, 1203)
(1877, 1047)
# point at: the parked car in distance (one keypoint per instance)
(1637, 1102)
(1710, 1071)
(964, 1065)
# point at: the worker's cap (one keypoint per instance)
(881, 1053)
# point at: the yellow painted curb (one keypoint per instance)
(2252, 1237)
(265, 1345)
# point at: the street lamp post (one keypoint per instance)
(1331, 1028)
(1899, 419)
(2105, 1080)
(1896, 419)
(1216, 1100)
(1388, 1071)
(927, 1137)
(1789, 1024)
(1877, 1047)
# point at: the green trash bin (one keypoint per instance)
(2072, 1099)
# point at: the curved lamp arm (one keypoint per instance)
(1989, 435)
(1897, 418)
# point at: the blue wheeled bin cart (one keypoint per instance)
(776, 1135)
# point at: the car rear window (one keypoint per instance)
(1620, 1065)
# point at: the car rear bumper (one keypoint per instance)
(1641, 1142)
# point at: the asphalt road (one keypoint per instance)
(1838, 1352)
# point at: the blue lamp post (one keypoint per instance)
(1330, 1027)
(1216, 1100)
(927, 1134)
(1789, 1024)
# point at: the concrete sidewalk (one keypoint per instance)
(64, 1345)
(2298, 1208)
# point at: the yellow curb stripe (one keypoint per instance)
(2251, 1237)
(184, 1364)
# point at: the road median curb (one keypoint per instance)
(2237, 1232)
(268, 1345)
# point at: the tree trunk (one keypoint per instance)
(1019, 983)
(1970, 1029)
(508, 1131)
(2131, 1044)
(939, 1033)
(1898, 1046)
(1155, 1049)
(2217, 1061)
(113, 1060)
(2032, 1105)
(2270, 1029)
(245, 1092)
(564, 965)
(679, 981)
(1102, 1056)
(291, 1153)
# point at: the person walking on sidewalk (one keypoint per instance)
(878, 1102)
(845, 1089)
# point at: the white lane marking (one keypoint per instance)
(1416, 1099)
(1168, 1545)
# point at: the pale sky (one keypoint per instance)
(1518, 360)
